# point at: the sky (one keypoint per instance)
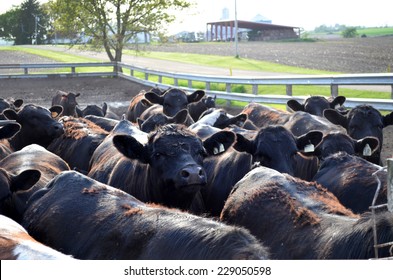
(306, 14)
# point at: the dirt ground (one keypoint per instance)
(360, 55)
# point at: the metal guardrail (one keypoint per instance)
(334, 81)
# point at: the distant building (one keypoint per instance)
(261, 18)
(254, 31)
(225, 14)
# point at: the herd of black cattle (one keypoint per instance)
(177, 178)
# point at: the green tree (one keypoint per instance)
(113, 23)
(24, 24)
(9, 27)
(349, 32)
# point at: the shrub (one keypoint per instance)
(349, 32)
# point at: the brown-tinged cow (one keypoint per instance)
(90, 220)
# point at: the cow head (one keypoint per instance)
(15, 191)
(174, 100)
(175, 156)
(95, 110)
(315, 105)
(362, 121)
(38, 125)
(157, 120)
(340, 142)
(276, 147)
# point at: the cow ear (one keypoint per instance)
(140, 122)
(307, 142)
(337, 102)
(219, 142)
(388, 119)
(18, 103)
(366, 146)
(146, 103)
(9, 130)
(25, 180)
(244, 145)
(131, 148)
(294, 105)
(78, 94)
(154, 98)
(10, 114)
(104, 108)
(195, 96)
(56, 110)
(180, 117)
(335, 117)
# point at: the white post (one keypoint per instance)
(236, 39)
(390, 184)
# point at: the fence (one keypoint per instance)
(333, 81)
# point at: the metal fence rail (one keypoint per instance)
(333, 81)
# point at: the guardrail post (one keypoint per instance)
(160, 79)
(26, 71)
(390, 184)
(391, 92)
(228, 89)
(255, 89)
(207, 85)
(289, 90)
(189, 83)
(334, 90)
(73, 69)
(176, 82)
(146, 76)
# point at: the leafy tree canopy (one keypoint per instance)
(113, 23)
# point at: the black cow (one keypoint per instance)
(24, 172)
(38, 125)
(67, 100)
(77, 144)
(197, 108)
(333, 143)
(350, 179)
(277, 148)
(94, 110)
(166, 170)
(362, 121)
(90, 220)
(137, 106)
(315, 105)
(273, 146)
(301, 122)
(262, 116)
(105, 123)
(171, 102)
(219, 118)
(17, 244)
(106, 156)
(10, 103)
(301, 220)
(160, 119)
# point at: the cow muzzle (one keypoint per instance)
(191, 176)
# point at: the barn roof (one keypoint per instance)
(251, 24)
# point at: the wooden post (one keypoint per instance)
(390, 184)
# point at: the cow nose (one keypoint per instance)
(193, 175)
